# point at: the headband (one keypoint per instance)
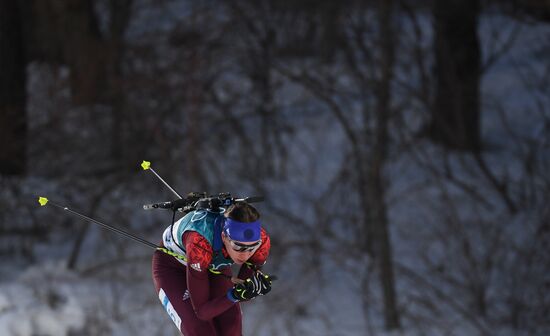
(243, 232)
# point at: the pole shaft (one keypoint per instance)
(165, 183)
(107, 226)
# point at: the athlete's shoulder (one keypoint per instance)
(198, 250)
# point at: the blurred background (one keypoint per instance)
(402, 148)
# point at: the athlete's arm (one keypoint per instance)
(199, 256)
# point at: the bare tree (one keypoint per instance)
(456, 116)
(477, 236)
(81, 47)
(366, 131)
(13, 117)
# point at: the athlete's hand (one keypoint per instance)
(258, 284)
(262, 282)
(244, 291)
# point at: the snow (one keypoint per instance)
(42, 299)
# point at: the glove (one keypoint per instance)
(262, 282)
(258, 284)
(243, 291)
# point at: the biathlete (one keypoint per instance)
(198, 291)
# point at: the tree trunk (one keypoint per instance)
(81, 47)
(13, 119)
(194, 163)
(376, 176)
(85, 52)
(455, 116)
(122, 154)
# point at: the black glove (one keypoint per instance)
(243, 291)
(258, 284)
(262, 282)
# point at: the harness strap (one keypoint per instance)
(217, 240)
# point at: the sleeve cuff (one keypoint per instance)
(231, 297)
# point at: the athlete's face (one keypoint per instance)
(238, 251)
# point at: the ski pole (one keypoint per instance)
(43, 201)
(146, 165)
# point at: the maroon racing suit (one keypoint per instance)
(195, 298)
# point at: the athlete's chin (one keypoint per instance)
(239, 261)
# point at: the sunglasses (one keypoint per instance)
(239, 247)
